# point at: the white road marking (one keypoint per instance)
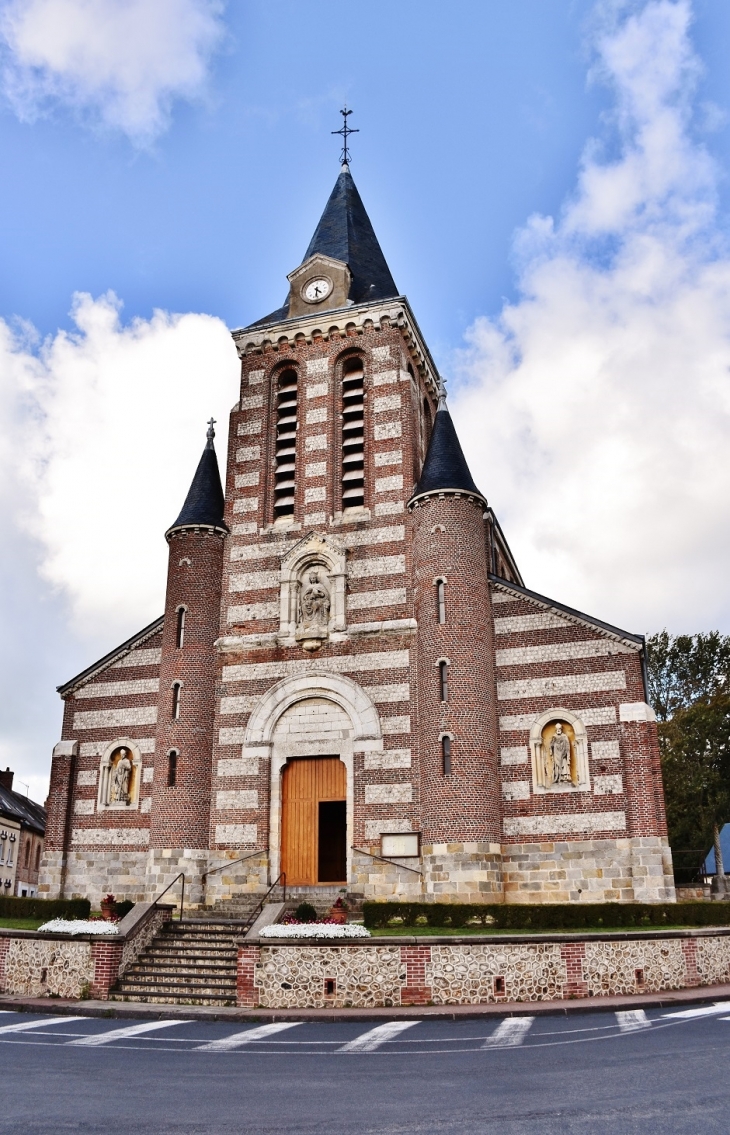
(97, 1039)
(373, 1038)
(510, 1033)
(248, 1036)
(22, 1026)
(703, 1011)
(629, 1020)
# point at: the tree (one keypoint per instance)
(686, 669)
(689, 688)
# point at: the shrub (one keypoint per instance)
(305, 912)
(124, 908)
(548, 916)
(11, 907)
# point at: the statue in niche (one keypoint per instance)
(560, 756)
(121, 779)
(314, 610)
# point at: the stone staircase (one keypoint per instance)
(189, 963)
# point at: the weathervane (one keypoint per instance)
(345, 132)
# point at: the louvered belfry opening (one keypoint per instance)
(353, 434)
(286, 444)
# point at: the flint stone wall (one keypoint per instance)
(388, 972)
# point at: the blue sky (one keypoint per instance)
(548, 180)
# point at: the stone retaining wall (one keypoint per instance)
(478, 970)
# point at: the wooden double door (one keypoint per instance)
(314, 821)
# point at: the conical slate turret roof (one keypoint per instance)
(204, 503)
(345, 233)
(445, 467)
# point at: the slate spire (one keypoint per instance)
(204, 503)
(445, 467)
(345, 233)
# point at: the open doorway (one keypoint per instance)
(313, 821)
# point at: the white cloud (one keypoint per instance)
(110, 425)
(596, 407)
(120, 62)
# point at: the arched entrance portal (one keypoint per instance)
(314, 821)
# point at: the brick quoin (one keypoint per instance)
(692, 974)
(414, 960)
(107, 957)
(572, 954)
(246, 992)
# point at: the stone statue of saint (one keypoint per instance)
(560, 756)
(315, 604)
(121, 777)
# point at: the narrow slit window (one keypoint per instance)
(441, 601)
(27, 855)
(286, 444)
(446, 755)
(444, 681)
(9, 860)
(37, 857)
(176, 689)
(353, 435)
(172, 768)
(180, 628)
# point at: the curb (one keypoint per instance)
(136, 1009)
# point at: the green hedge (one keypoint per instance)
(11, 907)
(557, 916)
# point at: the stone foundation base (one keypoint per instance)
(609, 870)
(601, 870)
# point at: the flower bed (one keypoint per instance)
(79, 926)
(315, 930)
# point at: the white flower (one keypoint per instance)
(315, 930)
(78, 926)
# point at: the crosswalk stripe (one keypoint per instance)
(97, 1039)
(237, 1040)
(629, 1020)
(510, 1033)
(703, 1011)
(369, 1041)
(23, 1026)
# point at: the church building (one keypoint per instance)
(351, 685)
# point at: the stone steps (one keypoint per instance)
(189, 963)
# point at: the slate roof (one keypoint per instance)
(445, 466)
(345, 233)
(204, 503)
(13, 806)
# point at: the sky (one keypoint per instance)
(549, 183)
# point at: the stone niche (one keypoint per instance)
(312, 593)
(559, 752)
(120, 773)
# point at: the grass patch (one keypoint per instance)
(21, 923)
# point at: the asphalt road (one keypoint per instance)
(661, 1072)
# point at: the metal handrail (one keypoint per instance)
(382, 859)
(233, 862)
(257, 910)
(182, 894)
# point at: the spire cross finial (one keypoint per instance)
(345, 132)
(211, 432)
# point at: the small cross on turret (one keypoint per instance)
(211, 432)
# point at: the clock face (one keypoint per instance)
(317, 289)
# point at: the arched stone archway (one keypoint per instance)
(313, 715)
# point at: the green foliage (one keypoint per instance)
(695, 747)
(305, 912)
(689, 689)
(548, 916)
(124, 908)
(11, 907)
(684, 669)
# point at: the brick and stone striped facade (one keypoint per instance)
(255, 692)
